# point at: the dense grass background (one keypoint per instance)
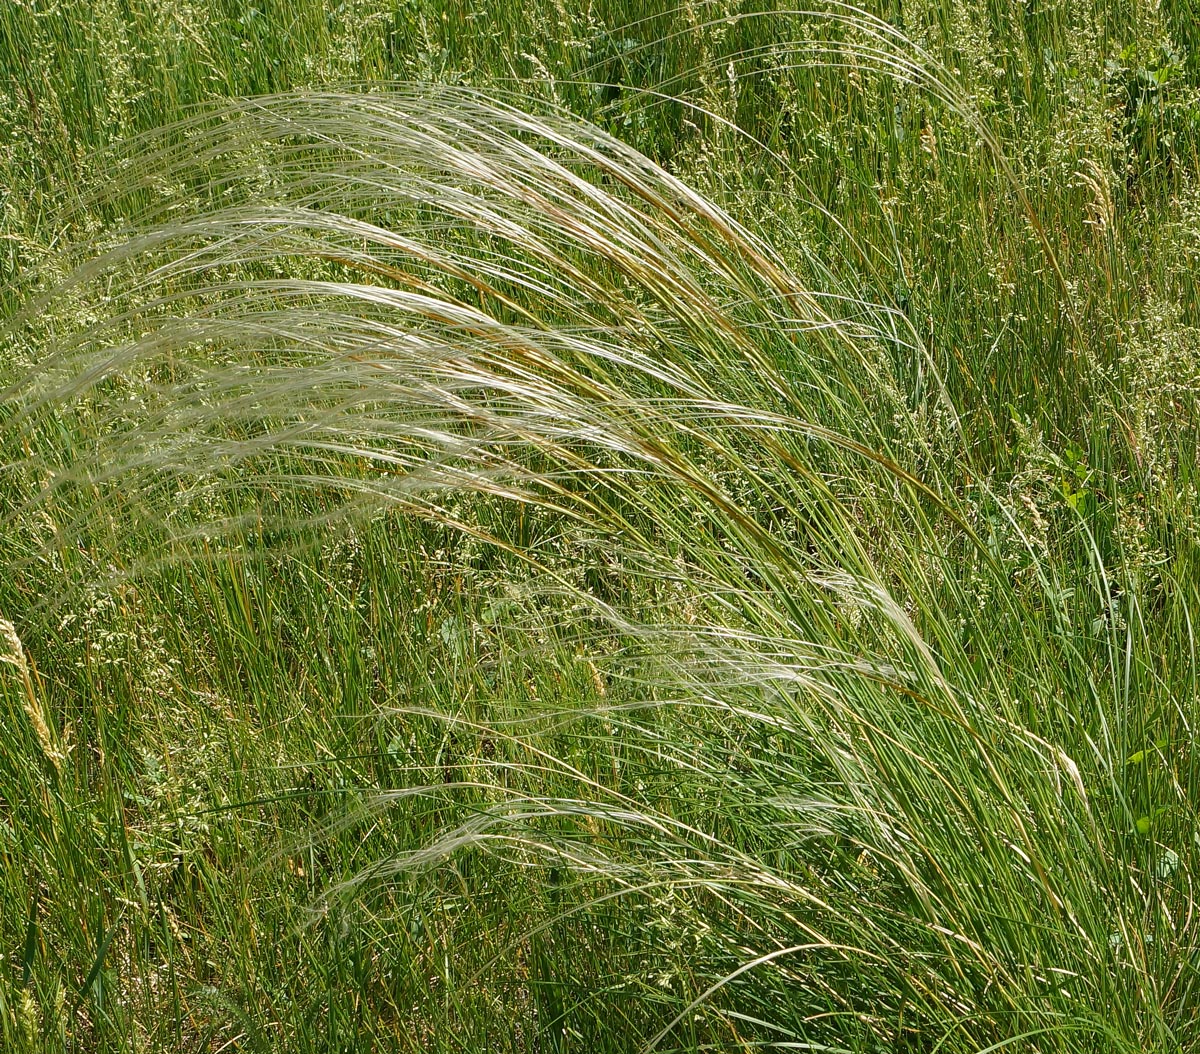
(775, 695)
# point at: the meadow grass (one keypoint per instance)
(660, 529)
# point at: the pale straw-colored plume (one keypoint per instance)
(12, 653)
(11, 649)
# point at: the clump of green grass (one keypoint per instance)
(866, 788)
(791, 655)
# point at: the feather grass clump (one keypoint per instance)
(889, 826)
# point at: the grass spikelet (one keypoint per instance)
(14, 655)
(14, 650)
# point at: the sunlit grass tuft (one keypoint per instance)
(866, 788)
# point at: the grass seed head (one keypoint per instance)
(13, 653)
